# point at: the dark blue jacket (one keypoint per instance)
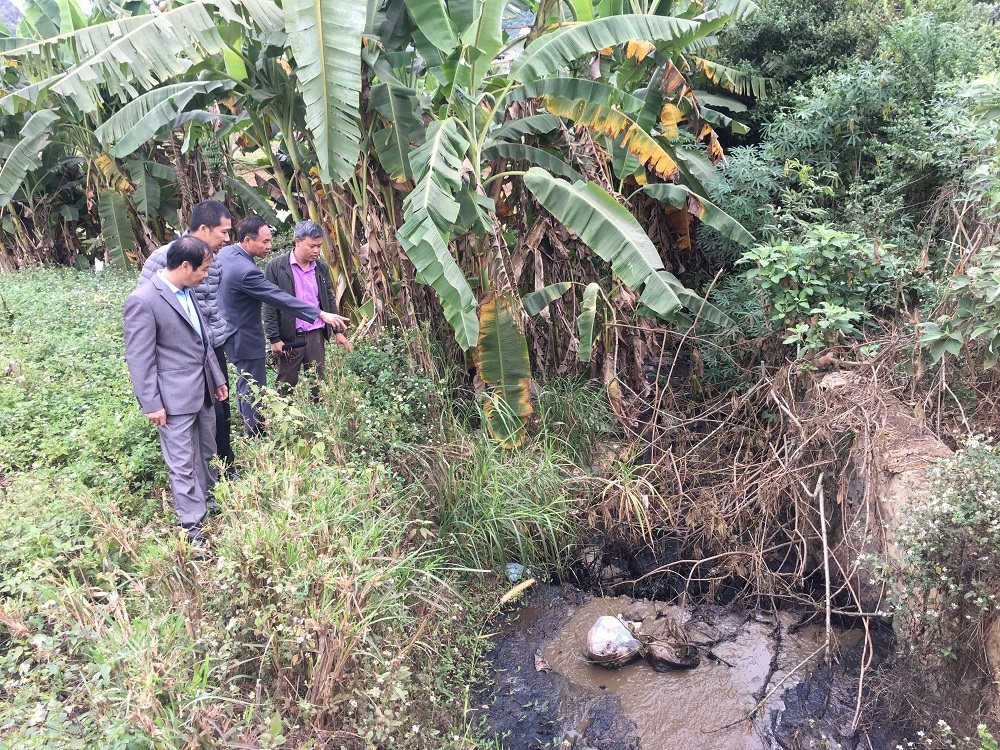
(242, 289)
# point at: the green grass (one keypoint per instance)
(337, 606)
(496, 506)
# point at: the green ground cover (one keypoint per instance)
(347, 594)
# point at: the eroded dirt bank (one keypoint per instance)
(546, 695)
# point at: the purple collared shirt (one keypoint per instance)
(306, 290)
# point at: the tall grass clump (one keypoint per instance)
(324, 615)
(574, 417)
(493, 506)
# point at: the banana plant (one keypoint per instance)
(470, 128)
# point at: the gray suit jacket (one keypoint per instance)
(206, 294)
(171, 367)
(241, 291)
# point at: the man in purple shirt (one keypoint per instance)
(303, 274)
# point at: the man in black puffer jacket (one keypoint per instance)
(211, 222)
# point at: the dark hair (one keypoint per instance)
(209, 214)
(249, 227)
(188, 248)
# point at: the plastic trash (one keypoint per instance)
(668, 657)
(516, 572)
(611, 644)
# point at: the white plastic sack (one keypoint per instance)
(610, 643)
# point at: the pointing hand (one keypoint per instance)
(338, 322)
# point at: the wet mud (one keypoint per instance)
(546, 694)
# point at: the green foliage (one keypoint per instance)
(943, 737)
(974, 322)
(952, 546)
(65, 397)
(497, 506)
(393, 403)
(24, 156)
(616, 236)
(892, 128)
(945, 592)
(325, 37)
(374, 405)
(821, 286)
(431, 211)
(326, 600)
(793, 40)
(504, 367)
(574, 417)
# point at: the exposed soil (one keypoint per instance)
(531, 709)
(545, 694)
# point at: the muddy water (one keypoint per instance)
(706, 707)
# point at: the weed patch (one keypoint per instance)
(327, 615)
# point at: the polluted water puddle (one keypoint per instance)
(743, 658)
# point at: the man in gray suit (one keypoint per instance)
(210, 222)
(175, 375)
(241, 293)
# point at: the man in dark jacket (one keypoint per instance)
(302, 273)
(241, 292)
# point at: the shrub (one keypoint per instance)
(893, 128)
(951, 549)
(374, 403)
(975, 320)
(946, 594)
(821, 287)
(793, 41)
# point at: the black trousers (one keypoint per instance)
(310, 356)
(223, 426)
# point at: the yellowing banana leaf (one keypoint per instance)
(670, 118)
(618, 126)
(504, 366)
(638, 49)
(731, 79)
(555, 50)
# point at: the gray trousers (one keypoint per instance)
(250, 371)
(188, 444)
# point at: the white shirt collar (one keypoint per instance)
(165, 280)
